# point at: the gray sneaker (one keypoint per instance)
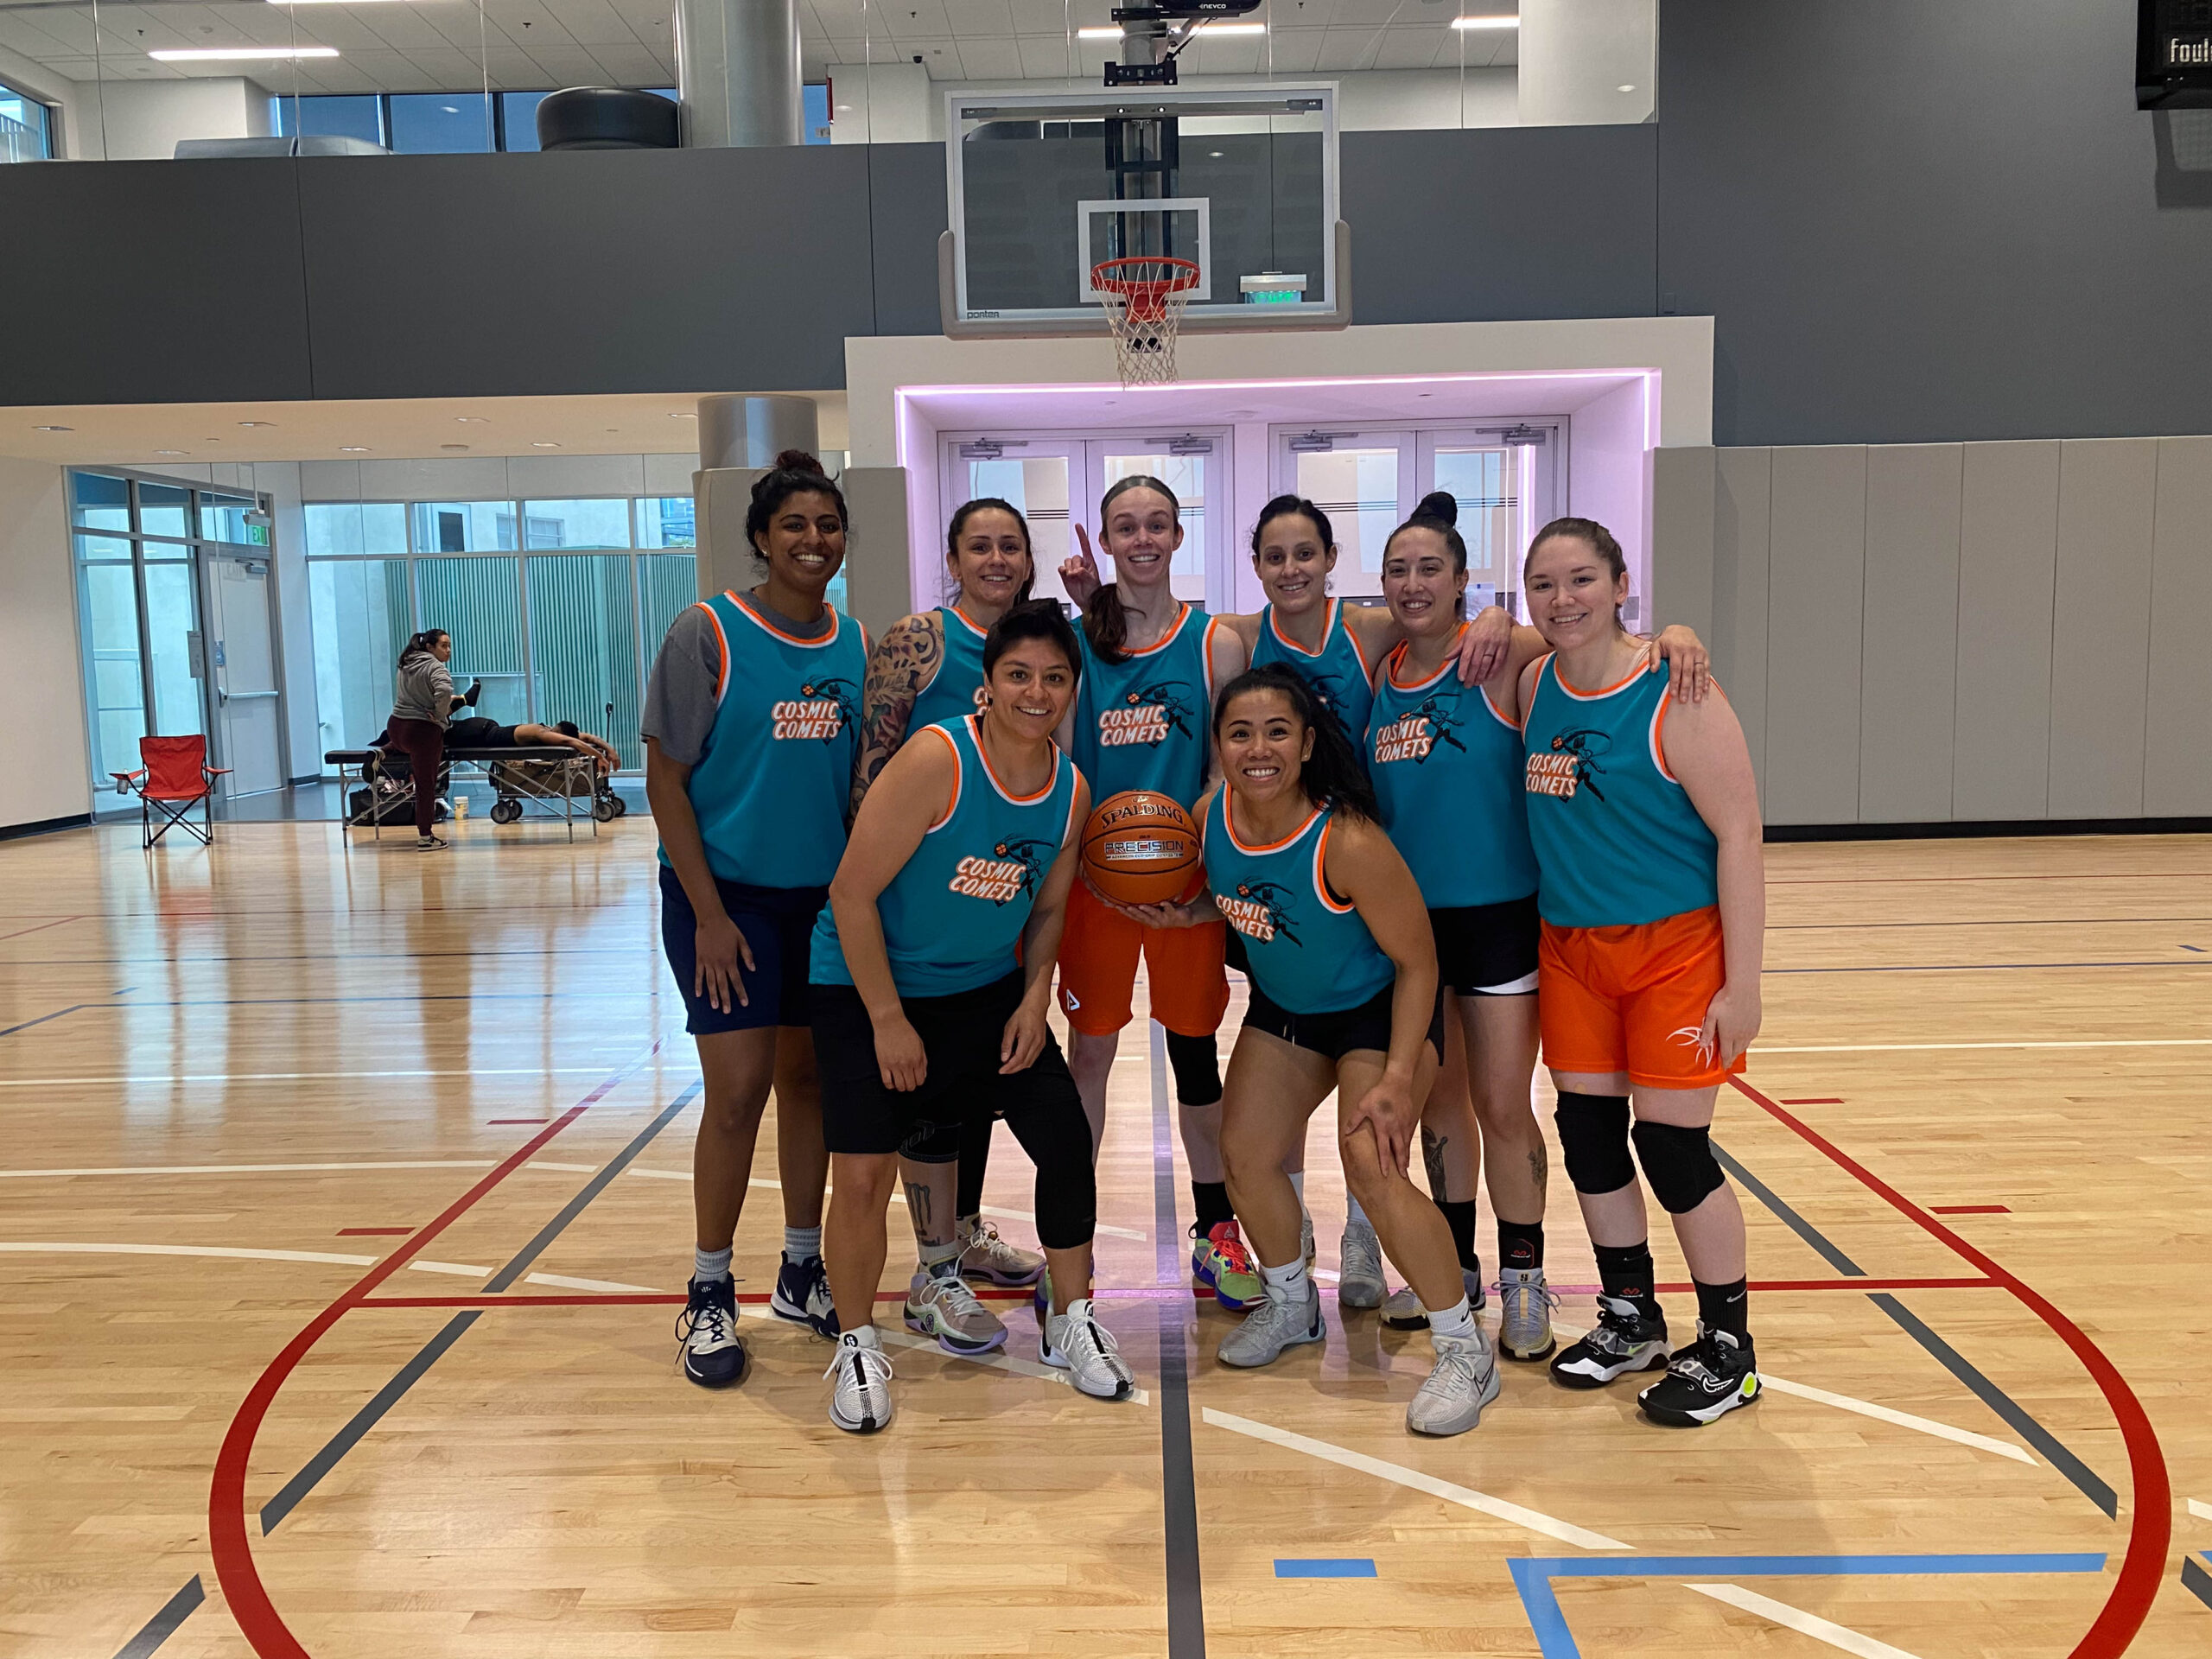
(1403, 1312)
(1525, 1304)
(1306, 1242)
(940, 1304)
(1465, 1381)
(1272, 1326)
(1359, 1267)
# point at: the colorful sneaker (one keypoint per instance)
(1272, 1326)
(1624, 1340)
(1223, 1265)
(990, 1260)
(1464, 1380)
(714, 1358)
(1359, 1269)
(1524, 1327)
(802, 1295)
(1403, 1312)
(1704, 1382)
(940, 1304)
(1078, 1345)
(861, 1402)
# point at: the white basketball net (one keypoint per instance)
(1144, 308)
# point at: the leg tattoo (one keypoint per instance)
(1431, 1152)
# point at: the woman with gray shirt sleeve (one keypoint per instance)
(422, 703)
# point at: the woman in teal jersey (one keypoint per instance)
(932, 980)
(1643, 814)
(1344, 998)
(751, 728)
(1445, 759)
(926, 669)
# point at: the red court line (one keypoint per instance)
(374, 1232)
(500, 1123)
(1963, 1209)
(1831, 1100)
(2143, 1568)
(235, 1569)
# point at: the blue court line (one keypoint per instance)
(43, 1018)
(2196, 1580)
(1533, 1576)
(1351, 1567)
(2197, 948)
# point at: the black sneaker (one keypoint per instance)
(1624, 1340)
(1707, 1381)
(802, 1295)
(714, 1358)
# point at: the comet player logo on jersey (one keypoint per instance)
(1569, 766)
(1413, 736)
(1260, 911)
(820, 711)
(1146, 716)
(1010, 872)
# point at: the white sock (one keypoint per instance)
(1456, 1322)
(1286, 1284)
(802, 1243)
(710, 1264)
(1355, 1216)
(866, 1336)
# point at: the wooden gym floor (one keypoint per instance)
(344, 1219)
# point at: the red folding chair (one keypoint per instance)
(174, 778)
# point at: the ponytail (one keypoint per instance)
(418, 644)
(1332, 775)
(1105, 621)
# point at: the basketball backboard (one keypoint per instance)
(1043, 185)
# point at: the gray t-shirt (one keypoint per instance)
(680, 705)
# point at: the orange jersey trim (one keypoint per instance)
(959, 776)
(721, 640)
(976, 731)
(835, 622)
(1229, 821)
(1321, 873)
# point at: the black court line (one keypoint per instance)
(312, 1473)
(1186, 1612)
(2196, 1582)
(2084, 1478)
(162, 1626)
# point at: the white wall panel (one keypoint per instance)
(1814, 616)
(671, 474)
(463, 478)
(2008, 536)
(2177, 741)
(1909, 658)
(42, 749)
(1683, 493)
(559, 477)
(1742, 511)
(2100, 638)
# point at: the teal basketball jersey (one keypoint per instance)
(1338, 673)
(954, 913)
(1448, 768)
(1144, 722)
(956, 690)
(1309, 952)
(771, 788)
(1617, 842)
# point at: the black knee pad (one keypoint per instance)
(1067, 1199)
(1593, 1137)
(932, 1143)
(1678, 1165)
(1197, 1065)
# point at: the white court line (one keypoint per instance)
(244, 1169)
(1821, 1629)
(1868, 1409)
(461, 1269)
(2200, 1509)
(1902, 1048)
(1003, 1362)
(308, 1076)
(1535, 1520)
(230, 1253)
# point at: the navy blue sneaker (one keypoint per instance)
(802, 1295)
(714, 1358)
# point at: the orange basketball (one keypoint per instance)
(1140, 848)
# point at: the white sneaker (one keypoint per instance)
(1306, 1242)
(1272, 1326)
(1463, 1381)
(1078, 1345)
(861, 1402)
(1403, 1312)
(1359, 1267)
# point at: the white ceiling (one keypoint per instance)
(453, 44)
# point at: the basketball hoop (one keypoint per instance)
(1144, 296)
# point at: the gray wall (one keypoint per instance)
(1930, 633)
(1924, 219)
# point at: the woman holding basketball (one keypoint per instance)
(1343, 999)
(926, 669)
(1644, 818)
(933, 977)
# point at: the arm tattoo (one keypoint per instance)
(905, 660)
(1432, 1154)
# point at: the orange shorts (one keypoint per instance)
(1098, 969)
(1632, 999)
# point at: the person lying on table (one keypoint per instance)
(484, 733)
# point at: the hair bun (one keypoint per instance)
(1440, 506)
(798, 460)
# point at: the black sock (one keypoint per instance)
(1211, 1199)
(1461, 1218)
(1520, 1246)
(1624, 1271)
(1726, 1308)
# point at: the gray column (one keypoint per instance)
(737, 70)
(740, 430)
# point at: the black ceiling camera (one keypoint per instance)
(2173, 55)
(1149, 48)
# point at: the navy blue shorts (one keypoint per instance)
(779, 926)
